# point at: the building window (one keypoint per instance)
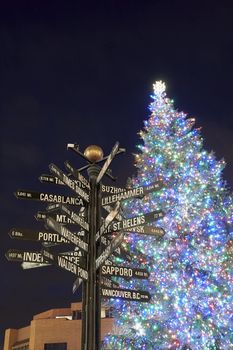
(55, 346)
(109, 313)
(77, 315)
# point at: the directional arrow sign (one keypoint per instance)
(131, 193)
(106, 282)
(148, 230)
(126, 224)
(119, 251)
(67, 181)
(66, 264)
(29, 265)
(108, 162)
(76, 174)
(48, 197)
(26, 234)
(109, 249)
(112, 189)
(25, 256)
(60, 218)
(108, 220)
(125, 272)
(50, 179)
(126, 294)
(76, 284)
(67, 234)
(75, 217)
(77, 259)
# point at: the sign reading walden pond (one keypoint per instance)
(79, 229)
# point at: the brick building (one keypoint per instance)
(55, 329)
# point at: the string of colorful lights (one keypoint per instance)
(191, 274)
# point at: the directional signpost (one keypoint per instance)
(126, 294)
(92, 241)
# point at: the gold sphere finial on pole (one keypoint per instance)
(94, 153)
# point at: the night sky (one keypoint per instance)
(82, 72)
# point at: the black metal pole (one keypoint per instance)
(98, 275)
(90, 331)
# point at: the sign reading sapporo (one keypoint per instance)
(125, 272)
(48, 197)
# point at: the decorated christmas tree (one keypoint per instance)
(191, 274)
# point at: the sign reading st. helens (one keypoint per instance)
(131, 193)
(67, 234)
(126, 224)
(67, 181)
(125, 272)
(126, 294)
(48, 197)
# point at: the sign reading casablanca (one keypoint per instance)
(48, 197)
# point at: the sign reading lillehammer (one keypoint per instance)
(84, 231)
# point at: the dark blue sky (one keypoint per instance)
(82, 71)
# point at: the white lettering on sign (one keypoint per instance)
(116, 293)
(75, 217)
(100, 260)
(69, 182)
(32, 257)
(111, 189)
(117, 271)
(63, 219)
(73, 238)
(51, 237)
(108, 220)
(70, 236)
(67, 265)
(70, 266)
(16, 233)
(60, 199)
(135, 192)
(136, 295)
(127, 223)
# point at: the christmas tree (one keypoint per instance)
(191, 274)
